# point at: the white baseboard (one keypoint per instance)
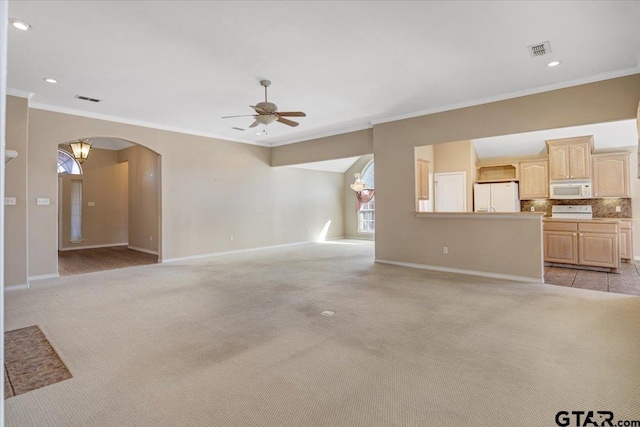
(462, 271)
(213, 254)
(16, 287)
(43, 277)
(94, 246)
(147, 251)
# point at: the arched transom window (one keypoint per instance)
(67, 164)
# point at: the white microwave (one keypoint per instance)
(570, 189)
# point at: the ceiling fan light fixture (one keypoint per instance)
(266, 119)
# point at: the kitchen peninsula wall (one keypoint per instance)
(602, 208)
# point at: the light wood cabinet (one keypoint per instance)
(534, 179)
(422, 168)
(496, 171)
(570, 158)
(589, 243)
(561, 247)
(626, 240)
(611, 175)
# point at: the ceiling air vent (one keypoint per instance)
(86, 98)
(237, 128)
(539, 49)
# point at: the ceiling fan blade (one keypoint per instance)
(287, 122)
(245, 115)
(254, 124)
(258, 109)
(292, 114)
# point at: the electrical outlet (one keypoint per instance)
(618, 209)
(151, 238)
(231, 238)
(533, 209)
(10, 201)
(307, 231)
(445, 250)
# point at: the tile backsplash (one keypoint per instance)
(602, 208)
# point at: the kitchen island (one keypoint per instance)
(500, 245)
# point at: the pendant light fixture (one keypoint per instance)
(359, 185)
(81, 149)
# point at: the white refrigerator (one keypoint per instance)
(498, 197)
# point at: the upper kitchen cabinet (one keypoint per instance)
(497, 170)
(570, 158)
(611, 175)
(534, 179)
(422, 171)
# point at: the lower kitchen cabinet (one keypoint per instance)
(589, 243)
(598, 249)
(561, 246)
(626, 240)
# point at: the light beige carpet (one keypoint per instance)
(240, 341)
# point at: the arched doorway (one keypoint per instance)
(108, 207)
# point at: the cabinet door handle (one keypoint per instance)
(574, 234)
(581, 234)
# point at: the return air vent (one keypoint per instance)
(237, 128)
(86, 98)
(539, 49)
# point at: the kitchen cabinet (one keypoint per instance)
(561, 242)
(611, 175)
(422, 169)
(570, 158)
(588, 243)
(496, 171)
(626, 240)
(534, 179)
(598, 244)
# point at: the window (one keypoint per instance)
(67, 164)
(76, 210)
(367, 213)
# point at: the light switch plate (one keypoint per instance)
(42, 201)
(91, 203)
(10, 201)
(618, 209)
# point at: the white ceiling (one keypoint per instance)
(605, 135)
(182, 65)
(338, 165)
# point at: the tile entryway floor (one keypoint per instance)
(89, 260)
(626, 282)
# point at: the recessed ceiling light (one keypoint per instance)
(49, 80)
(21, 25)
(554, 63)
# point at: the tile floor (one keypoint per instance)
(99, 259)
(626, 282)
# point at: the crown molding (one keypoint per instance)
(19, 93)
(324, 134)
(99, 116)
(510, 95)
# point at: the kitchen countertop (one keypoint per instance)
(605, 220)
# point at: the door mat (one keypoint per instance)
(30, 362)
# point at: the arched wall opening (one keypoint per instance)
(109, 206)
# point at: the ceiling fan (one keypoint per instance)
(268, 111)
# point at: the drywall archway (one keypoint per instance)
(124, 177)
